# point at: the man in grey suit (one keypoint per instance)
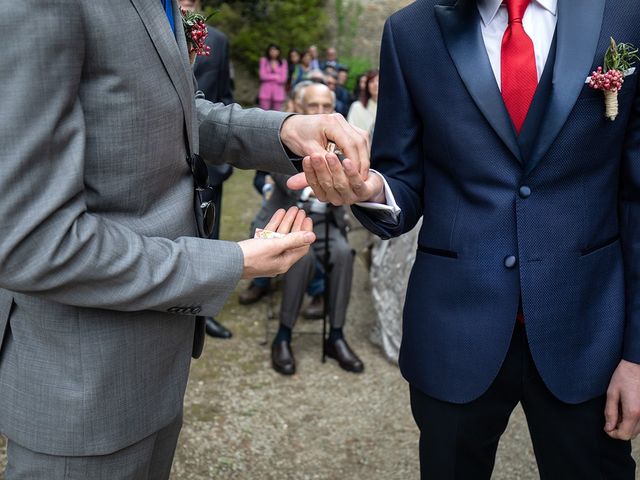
(100, 271)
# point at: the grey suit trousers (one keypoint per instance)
(149, 459)
(295, 281)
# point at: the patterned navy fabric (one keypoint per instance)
(556, 222)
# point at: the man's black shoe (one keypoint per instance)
(347, 359)
(282, 358)
(215, 329)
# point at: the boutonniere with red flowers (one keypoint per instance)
(195, 29)
(618, 63)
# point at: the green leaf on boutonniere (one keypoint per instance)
(621, 56)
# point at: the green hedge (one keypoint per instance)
(253, 25)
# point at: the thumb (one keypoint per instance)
(298, 182)
(296, 240)
(611, 411)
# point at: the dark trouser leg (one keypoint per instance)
(294, 284)
(341, 258)
(459, 441)
(569, 440)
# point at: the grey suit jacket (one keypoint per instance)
(97, 251)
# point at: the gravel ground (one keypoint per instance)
(243, 421)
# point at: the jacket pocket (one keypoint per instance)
(438, 252)
(599, 246)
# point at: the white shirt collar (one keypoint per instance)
(489, 8)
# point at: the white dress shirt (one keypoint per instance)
(539, 21)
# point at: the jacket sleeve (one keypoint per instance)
(630, 232)
(397, 148)
(245, 138)
(52, 245)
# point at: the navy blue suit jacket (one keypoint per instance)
(568, 243)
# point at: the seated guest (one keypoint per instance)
(263, 183)
(316, 98)
(261, 286)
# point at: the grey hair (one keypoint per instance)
(299, 89)
(300, 96)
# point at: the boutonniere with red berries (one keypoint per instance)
(195, 29)
(618, 63)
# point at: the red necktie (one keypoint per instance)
(519, 76)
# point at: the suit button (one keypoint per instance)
(525, 192)
(510, 261)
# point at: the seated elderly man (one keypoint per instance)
(315, 98)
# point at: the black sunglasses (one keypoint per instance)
(201, 180)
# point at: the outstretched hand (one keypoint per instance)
(332, 181)
(271, 257)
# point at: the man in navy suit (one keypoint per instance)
(526, 286)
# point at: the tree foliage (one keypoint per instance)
(254, 24)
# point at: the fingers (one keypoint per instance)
(622, 416)
(287, 221)
(297, 223)
(362, 146)
(629, 424)
(298, 181)
(349, 182)
(357, 184)
(307, 225)
(295, 240)
(336, 182)
(352, 142)
(275, 220)
(611, 411)
(316, 171)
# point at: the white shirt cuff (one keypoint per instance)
(389, 211)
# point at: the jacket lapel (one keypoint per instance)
(578, 31)
(172, 51)
(461, 29)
